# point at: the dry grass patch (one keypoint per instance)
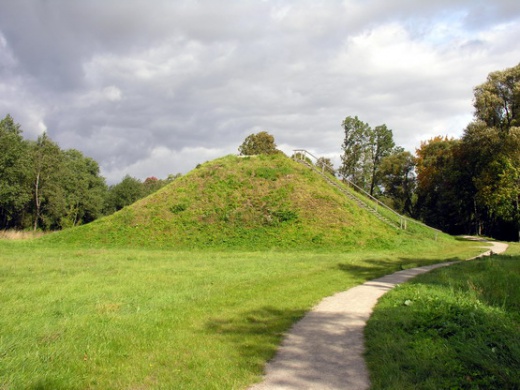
(19, 235)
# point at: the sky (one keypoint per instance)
(152, 88)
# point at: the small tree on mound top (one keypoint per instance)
(260, 143)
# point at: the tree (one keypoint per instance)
(363, 149)
(493, 158)
(153, 184)
(48, 196)
(499, 187)
(380, 144)
(438, 199)
(260, 143)
(472, 185)
(354, 150)
(14, 174)
(84, 189)
(491, 144)
(497, 101)
(44, 187)
(396, 175)
(128, 191)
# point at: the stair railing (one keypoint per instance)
(304, 153)
(301, 155)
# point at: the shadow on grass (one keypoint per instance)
(375, 268)
(319, 350)
(473, 238)
(256, 333)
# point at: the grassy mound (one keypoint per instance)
(261, 202)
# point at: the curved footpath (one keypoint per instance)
(324, 350)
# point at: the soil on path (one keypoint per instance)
(325, 349)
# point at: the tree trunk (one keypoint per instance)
(373, 180)
(37, 201)
(517, 213)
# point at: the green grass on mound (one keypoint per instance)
(252, 203)
(453, 328)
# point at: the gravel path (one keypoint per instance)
(324, 350)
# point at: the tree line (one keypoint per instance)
(473, 183)
(469, 185)
(43, 187)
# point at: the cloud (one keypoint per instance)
(162, 161)
(143, 87)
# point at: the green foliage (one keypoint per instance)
(84, 189)
(130, 190)
(498, 187)
(397, 179)
(48, 193)
(495, 163)
(439, 195)
(15, 186)
(285, 215)
(123, 194)
(44, 187)
(268, 173)
(363, 149)
(473, 186)
(67, 189)
(380, 145)
(497, 100)
(354, 151)
(260, 143)
(455, 327)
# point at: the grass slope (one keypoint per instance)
(258, 203)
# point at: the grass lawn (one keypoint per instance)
(86, 318)
(453, 328)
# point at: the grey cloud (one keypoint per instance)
(131, 84)
(488, 13)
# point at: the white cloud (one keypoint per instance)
(42, 127)
(385, 51)
(112, 93)
(94, 98)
